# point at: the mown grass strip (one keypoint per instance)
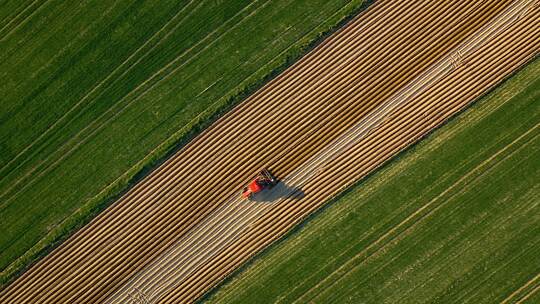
(63, 179)
(478, 244)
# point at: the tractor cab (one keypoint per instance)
(264, 180)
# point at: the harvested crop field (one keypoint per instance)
(476, 241)
(98, 91)
(382, 82)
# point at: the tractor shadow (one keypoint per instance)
(279, 191)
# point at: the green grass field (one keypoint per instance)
(454, 219)
(96, 92)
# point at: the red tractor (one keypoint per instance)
(264, 180)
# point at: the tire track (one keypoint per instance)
(16, 25)
(97, 87)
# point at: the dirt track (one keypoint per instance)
(390, 76)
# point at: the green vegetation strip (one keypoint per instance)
(95, 93)
(454, 219)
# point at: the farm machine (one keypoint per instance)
(264, 180)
